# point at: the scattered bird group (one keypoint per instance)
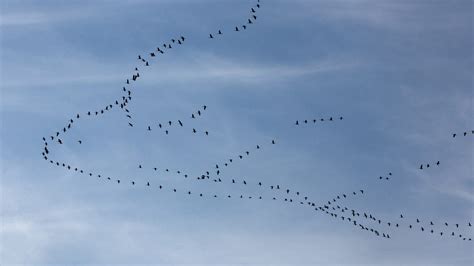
(331, 208)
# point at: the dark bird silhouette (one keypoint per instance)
(236, 28)
(421, 167)
(180, 123)
(149, 128)
(130, 124)
(273, 141)
(80, 141)
(60, 141)
(204, 107)
(194, 130)
(211, 37)
(219, 32)
(454, 135)
(249, 21)
(207, 133)
(296, 122)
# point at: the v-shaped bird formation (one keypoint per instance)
(336, 207)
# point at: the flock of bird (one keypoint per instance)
(334, 208)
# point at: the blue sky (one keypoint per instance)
(399, 72)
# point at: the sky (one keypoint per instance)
(400, 73)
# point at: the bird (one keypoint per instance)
(180, 123)
(210, 36)
(192, 116)
(80, 141)
(273, 141)
(421, 167)
(236, 28)
(297, 123)
(454, 135)
(253, 10)
(249, 21)
(60, 141)
(437, 163)
(207, 133)
(130, 124)
(204, 107)
(194, 130)
(258, 147)
(149, 128)
(219, 32)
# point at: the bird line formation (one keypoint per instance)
(126, 99)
